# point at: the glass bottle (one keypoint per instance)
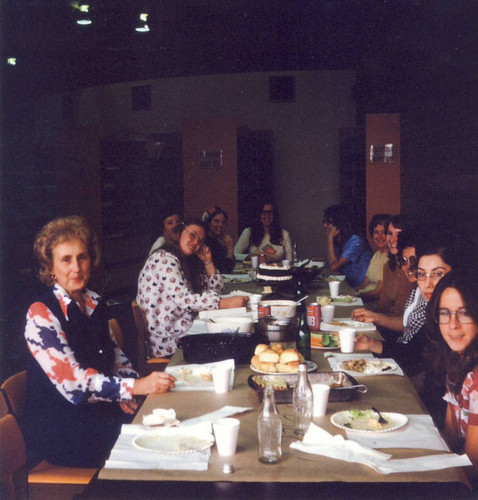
(303, 337)
(295, 253)
(302, 402)
(269, 429)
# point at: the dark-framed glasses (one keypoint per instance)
(434, 275)
(194, 236)
(462, 316)
(403, 261)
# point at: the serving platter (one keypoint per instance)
(367, 421)
(311, 366)
(339, 323)
(371, 367)
(173, 443)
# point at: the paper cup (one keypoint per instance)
(254, 261)
(334, 288)
(226, 431)
(321, 397)
(327, 313)
(221, 377)
(347, 339)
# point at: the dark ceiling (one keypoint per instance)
(384, 40)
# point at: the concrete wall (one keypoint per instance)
(306, 132)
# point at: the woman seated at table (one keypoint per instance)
(453, 331)
(176, 282)
(372, 286)
(169, 230)
(346, 251)
(221, 244)
(265, 236)
(76, 371)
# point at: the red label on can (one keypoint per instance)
(313, 316)
(263, 311)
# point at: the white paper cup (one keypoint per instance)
(334, 288)
(321, 397)
(226, 431)
(254, 261)
(221, 377)
(347, 339)
(327, 313)
(286, 262)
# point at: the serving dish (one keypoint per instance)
(367, 421)
(229, 325)
(280, 308)
(210, 347)
(311, 366)
(343, 387)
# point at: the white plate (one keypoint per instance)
(347, 323)
(311, 366)
(173, 443)
(373, 367)
(343, 299)
(344, 420)
(328, 348)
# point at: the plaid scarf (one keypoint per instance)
(414, 317)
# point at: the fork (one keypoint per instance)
(381, 420)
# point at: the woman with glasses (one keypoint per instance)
(265, 236)
(220, 243)
(176, 282)
(372, 286)
(452, 326)
(346, 252)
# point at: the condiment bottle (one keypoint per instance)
(269, 429)
(302, 402)
(303, 337)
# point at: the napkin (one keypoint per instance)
(161, 416)
(198, 377)
(223, 313)
(225, 411)
(419, 433)
(125, 455)
(317, 441)
(335, 358)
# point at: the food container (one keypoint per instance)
(343, 387)
(210, 347)
(278, 329)
(229, 325)
(281, 308)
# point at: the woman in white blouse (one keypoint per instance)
(265, 236)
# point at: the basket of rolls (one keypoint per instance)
(274, 358)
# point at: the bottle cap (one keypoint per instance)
(303, 367)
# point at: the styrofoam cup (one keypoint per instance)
(221, 377)
(226, 431)
(327, 313)
(347, 339)
(321, 398)
(254, 261)
(334, 288)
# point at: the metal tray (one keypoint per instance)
(343, 387)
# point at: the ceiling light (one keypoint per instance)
(84, 13)
(12, 61)
(142, 25)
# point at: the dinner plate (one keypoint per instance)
(346, 299)
(311, 366)
(372, 367)
(338, 323)
(324, 348)
(368, 422)
(173, 443)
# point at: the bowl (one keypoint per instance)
(278, 329)
(225, 325)
(280, 308)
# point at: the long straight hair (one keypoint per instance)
(257, 229)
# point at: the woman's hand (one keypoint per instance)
(155, 383)
(236, 301)
(270, 253)
(364, 315)
(366, 343)
(226, 241)
(204, 254)
(332, 231)
(129, 406)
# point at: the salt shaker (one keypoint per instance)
(302, 402)
(269, 429)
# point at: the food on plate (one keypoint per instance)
(344, 298)
(279, 384)
(367, 366)
(324, 300)
(339, 323)
(274, 273)
(355, 365)
(364, 420)
(325, 340)
(274, 359)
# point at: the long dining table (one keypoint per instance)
(297, 475)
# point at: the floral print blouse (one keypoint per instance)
(169, 302)
(48, 344)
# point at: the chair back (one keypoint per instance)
(13, 459)
(117, 333)
(4, 409)
(15, 389)
(142, 337)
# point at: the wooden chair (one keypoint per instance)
(45, 480)
(116, 329)
(145, 364)
(4, 409)
(13, 460)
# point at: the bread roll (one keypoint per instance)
(282, 368)
(277, 347)
(293, 366)
(255, 362)
(260, 348)
(269, 356)
(267, 367)
(289, 355)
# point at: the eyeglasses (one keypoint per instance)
(434, 275)
(462, 316)
(403, 261)
(267, 212)
(194, 236)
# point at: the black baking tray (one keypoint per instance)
(343, 386)
(211, 347)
